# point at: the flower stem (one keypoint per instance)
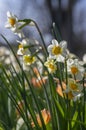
(44, 45)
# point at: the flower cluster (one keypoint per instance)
(73, 69)
(47, 88)
(14, 24)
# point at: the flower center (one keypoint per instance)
(51, 66)
(74, 69)
(29, 59)
(12, 21)
(73, 86)
(57, 50)
(20, 46)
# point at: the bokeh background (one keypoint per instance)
(68, 15)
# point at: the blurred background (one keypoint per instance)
(68, 15)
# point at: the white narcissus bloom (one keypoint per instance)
(25, 44)
(73, 90)
(12, 20)
(75, 67)
(28, 59)
(21, 50)
(50, 64)
(74, 86)
(13, 24)
(72, 95)
(58, 50)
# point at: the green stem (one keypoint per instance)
(84, 101)
(44, 46)
(66, 72)
(30, 87)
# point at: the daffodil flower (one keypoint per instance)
(25, 44)
(28, 59)
(13, 24)
(75, 68)
(50, 64)
(73, 96)
(58, 50)
(12, 20)
(21, 50)
(74, 85)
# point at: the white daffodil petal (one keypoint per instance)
(9, 14)
(54, 42)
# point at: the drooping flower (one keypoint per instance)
(58, 50)
(12, 20)
(50, 64)
(13, 24)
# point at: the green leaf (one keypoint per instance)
(59, 108)
(62, 122)
(74, 118)
(79, 122)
